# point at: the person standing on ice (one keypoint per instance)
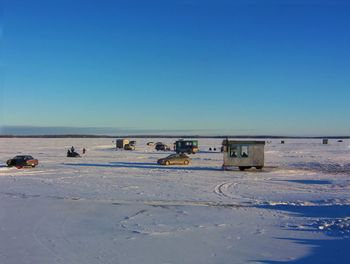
(84, 150)
(72, 149)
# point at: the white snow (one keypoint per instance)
(121, 207)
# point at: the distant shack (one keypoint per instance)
(120, 143)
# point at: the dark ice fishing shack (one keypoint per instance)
(243, 154)
(186, 146)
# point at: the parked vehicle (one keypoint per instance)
(162, 147)
(150, 143)
(73, 154)
(22, 161)
(186, 146)
(178, 159)
(132, 143)
(129, 147)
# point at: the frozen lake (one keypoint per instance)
(121, 207)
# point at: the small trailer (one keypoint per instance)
(325, 141)
(243, 154)
(120, 143)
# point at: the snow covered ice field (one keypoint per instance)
(121, 207)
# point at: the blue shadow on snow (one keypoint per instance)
(143, 165)
(325, 251)
(310, 181)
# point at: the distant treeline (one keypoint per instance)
(173, 136)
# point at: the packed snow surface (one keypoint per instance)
(122, 207)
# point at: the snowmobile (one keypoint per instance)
(73, 154)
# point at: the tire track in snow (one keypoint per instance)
(57, 258)
(65, 245)
(222, 188)
(135, 214)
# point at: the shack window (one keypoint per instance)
(234, 151)
(244, 151)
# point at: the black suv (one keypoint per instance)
(162, 147)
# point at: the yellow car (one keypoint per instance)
(175, 159)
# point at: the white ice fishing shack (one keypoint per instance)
(243, 154)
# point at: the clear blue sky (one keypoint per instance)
(250, 67)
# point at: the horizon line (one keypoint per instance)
(113, 132)
(171, 136)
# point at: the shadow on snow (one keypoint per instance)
(143, 165)
(322, 167)
(333, 250)
(310, 181)
(322, 252)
